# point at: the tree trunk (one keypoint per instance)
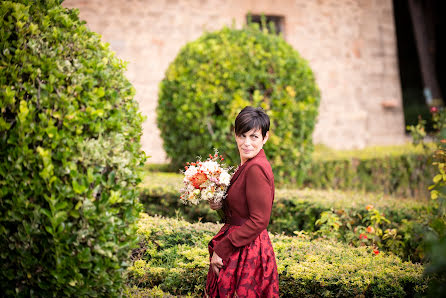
(425, 41)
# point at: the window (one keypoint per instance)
(276, 21)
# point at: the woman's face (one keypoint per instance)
(250, 143)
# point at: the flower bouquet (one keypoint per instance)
(205, 180)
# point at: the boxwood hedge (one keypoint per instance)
(402, 170)
(69, 159)
(399, 170)
(213, 78)
(300, 210)
(173, 258)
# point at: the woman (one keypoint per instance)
(242, 260)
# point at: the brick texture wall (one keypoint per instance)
(350, 45)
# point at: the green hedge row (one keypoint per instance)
(173, 258)
(401, 170)
(398, 224)
(399, 175)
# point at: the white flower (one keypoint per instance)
(210, 166)
(207, 194)
(191, 171)
(225, 178)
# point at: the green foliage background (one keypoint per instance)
(70, 156)
(213, 78)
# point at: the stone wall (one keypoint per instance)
(350, 45)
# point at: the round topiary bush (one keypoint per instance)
(216, 76)
(70, 156)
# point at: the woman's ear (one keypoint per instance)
(266, 137)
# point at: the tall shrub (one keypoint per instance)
(220, 73)
(70, 156)
(436, 237)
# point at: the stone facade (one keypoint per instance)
(350, 45)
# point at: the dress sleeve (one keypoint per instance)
(259, 201)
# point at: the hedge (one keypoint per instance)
(173, 257)
(397, 170)
(214, 77)
(300, 210)
(400, 170)
(70, 156)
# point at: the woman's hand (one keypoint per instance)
(216, 263)
(215, 205)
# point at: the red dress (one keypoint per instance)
(249, 264)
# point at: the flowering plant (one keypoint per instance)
(205, 180)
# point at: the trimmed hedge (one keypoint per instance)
(214, 77)
(402, 170)
(397, 170)
(173, 257)
(70, 156)
(300, 210)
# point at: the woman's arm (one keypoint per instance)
(259, 200)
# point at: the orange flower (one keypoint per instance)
(369, 207)
(198, 179)
(362, 236)
(375, 251)
(370, 229)
(443, 141)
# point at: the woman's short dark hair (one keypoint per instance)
(250, 118)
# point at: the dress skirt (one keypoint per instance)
(250, 271)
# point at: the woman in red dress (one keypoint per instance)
(242, 259)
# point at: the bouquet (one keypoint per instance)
(205, 180)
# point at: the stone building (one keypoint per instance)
(350, 45)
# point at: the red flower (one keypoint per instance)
(375, 251)
(362, 236)
(434, 110)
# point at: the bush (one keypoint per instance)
(216, 76)
(173, 257)
(399, 225)
(396, 170)
(436, 236)
(70, 156)
(402, 170)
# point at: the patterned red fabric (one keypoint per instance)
(250, 271)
